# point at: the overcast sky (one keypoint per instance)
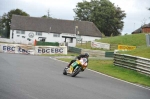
(136, 10)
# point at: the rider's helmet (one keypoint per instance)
(86, 54)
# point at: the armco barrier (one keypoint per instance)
(132, 62)
(74, 50)
(109, 54)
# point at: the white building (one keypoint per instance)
(27, 29)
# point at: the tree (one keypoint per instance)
(47, 16)
(1, 28)
(6, 19)
(104, 14)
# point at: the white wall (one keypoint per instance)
(20, 39)
(89, 38)
(49, 37)
(6, 40)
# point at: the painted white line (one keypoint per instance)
(58, 60)
(148, 88)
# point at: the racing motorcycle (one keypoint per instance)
(76, 67)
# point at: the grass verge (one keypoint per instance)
(107, 67)
(138, 40)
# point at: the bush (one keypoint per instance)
(41, 43)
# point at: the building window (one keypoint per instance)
(18, 35)
(39, 33)
(71, 40)
(56, 35)
(42, 39)
(12, 34)
(17, 31)
(23, 36)
(20, 32)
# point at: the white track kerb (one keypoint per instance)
(148, 88)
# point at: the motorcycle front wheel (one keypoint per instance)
(76, 71)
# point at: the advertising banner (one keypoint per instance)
(100, 45)
(29, 49)
(126, 47)
(50, 50)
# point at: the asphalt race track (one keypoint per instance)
(40, 77)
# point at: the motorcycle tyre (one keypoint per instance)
(64, 72)
(76, 72)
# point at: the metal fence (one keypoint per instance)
(91, 52)
(132, 62)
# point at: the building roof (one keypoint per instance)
(26, 23)
(139, 30)
(146, 25)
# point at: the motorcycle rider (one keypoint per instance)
(86, 55)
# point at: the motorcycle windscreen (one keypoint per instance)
(83, 61)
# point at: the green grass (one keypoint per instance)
(141, 52)
(138, 40)
(107, 67)
(133, 40)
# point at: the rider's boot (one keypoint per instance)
(67, 66)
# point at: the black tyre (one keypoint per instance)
(64, 72)
(76, 72)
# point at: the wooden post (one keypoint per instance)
(35, 42)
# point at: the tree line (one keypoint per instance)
(105, 15)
